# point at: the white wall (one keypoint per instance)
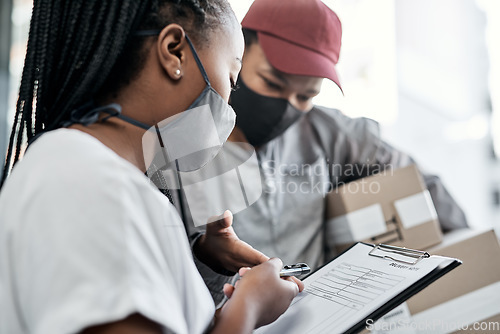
(444, 102)
(437, 76)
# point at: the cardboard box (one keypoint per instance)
(467, 296)
(393, 207)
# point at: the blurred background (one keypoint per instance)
(428, 71)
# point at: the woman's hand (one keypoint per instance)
(229, 289)
(222, 250)
(259, 298)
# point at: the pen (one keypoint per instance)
(295, 270)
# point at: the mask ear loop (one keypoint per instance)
(115, 110)
(198, 61)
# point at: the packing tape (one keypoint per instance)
(357, 225)
(416, 209)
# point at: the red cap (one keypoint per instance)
(298, 36)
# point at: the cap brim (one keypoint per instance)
(294, 59)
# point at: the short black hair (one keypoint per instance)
(78, 50)
(250, 37)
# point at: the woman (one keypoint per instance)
(87, 245)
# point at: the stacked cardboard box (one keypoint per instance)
(393, 207)
(466, 300)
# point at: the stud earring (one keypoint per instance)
(177, 72)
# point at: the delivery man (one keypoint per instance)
(304, 150)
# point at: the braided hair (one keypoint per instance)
(80, 50)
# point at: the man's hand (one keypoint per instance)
(222, 250)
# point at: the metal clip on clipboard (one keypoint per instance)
(417, 255)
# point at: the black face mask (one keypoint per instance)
(262, 118)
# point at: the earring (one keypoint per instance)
(177, 72)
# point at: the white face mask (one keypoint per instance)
(189, 140)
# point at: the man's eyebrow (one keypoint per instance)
(313, 91)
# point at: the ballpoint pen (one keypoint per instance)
(295, 270)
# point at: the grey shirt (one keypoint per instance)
(322, 150)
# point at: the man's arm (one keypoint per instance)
(357, 142)
(450, 215)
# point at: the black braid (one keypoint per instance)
(83, 50)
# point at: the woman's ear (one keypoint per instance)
(172, 50)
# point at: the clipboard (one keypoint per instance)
(387, 260)
(421, 284)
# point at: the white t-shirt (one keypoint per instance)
(85, 239)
